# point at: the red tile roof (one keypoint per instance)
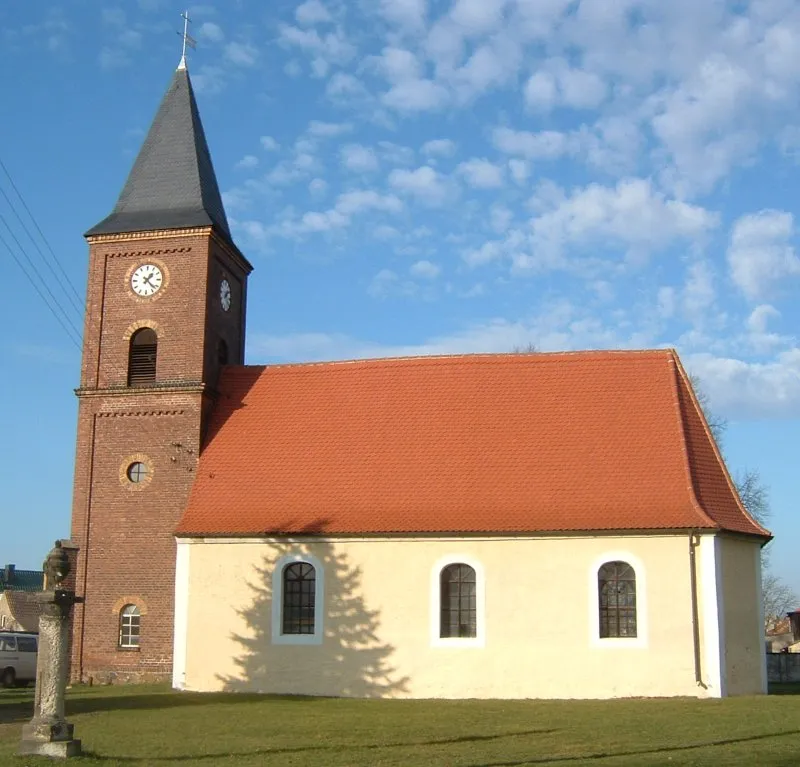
(24, 609)
(606, 440)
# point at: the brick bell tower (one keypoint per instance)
(165, 309)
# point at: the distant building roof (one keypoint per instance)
(12, 579)
(172, 184)
(581, 441)
(24, 609)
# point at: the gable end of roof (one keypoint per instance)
(712, 486)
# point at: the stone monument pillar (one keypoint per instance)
(49, 733)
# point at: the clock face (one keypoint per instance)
(225, 295)
(147, 280)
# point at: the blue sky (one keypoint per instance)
(416, 177)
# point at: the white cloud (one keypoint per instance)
(113, 58)
(367, 199)
(358, 158)
(632, 213)
(481, 174)
(701, 125)
(382, 283)
(345, 87)
(210, 79)
(269, 144)
(319, 128)
(114, 16)
(312, 12)
(541, 91)
(425, 270)
(760, 255)
(500, 218)
(398, 64)
(210, 31)
(666, 302)
(544, 145)
(333, 47)
(485, 254)
(581, 89)
(385, 232)
(520, 170)
(241, 54)
(416, 96)
(247, 162)
(443, 147)
(555, 83)
(396, 154)
(477, 16)
(317, 187)
(490, 65)
(424, 183)
(340, 215)
(407, 13)
(293, 68)
(744, 389)
(760, 316)
(698, 293)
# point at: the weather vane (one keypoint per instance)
(188, 40)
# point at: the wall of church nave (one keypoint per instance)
(377, 630)
(743, 625)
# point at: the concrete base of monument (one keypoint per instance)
(49, 739)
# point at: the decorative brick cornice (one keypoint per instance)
(148, 253)
(136, 413)
(132, 391)
(155, 234)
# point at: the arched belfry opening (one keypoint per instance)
(142, 357)
(222, 352)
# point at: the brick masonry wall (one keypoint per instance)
(124, 531)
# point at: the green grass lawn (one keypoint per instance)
(151, 725)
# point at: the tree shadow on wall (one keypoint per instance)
(351, 661)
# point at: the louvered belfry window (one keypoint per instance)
(142, 358)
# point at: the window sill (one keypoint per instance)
(128, 649)
(297, 639)
(458, 642)
(619, 643)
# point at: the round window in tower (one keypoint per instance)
(136, 472)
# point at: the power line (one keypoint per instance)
(38, 274)
(41, 295)
(79, 304)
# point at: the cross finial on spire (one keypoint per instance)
(188, 40)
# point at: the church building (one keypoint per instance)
(556, 525)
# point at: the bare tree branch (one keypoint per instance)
(779, 599)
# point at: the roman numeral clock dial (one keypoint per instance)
(146, 280)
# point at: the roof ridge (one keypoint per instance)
(548, 356)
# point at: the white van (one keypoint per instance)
(18, 653)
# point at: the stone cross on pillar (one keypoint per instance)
(49, 733)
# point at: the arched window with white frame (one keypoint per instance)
(298, 592)
(458, 597)
(129, 626)
(616, 595)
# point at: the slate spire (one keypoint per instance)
(172, 184)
